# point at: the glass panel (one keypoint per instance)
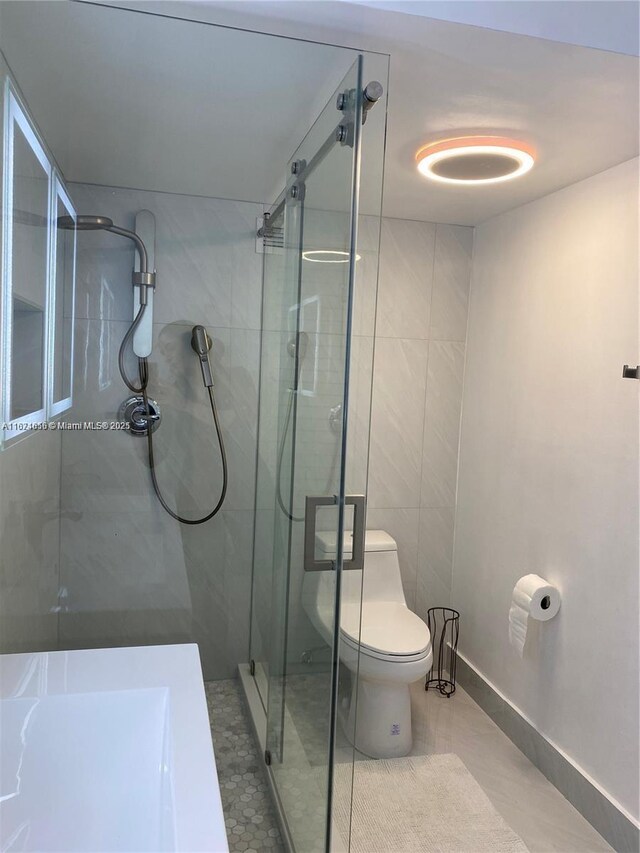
(29, 277)
(63, 304)
(306, 308)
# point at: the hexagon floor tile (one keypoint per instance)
(250, 817)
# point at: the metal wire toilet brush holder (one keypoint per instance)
(444, 626)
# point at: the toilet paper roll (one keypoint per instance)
(532, 598)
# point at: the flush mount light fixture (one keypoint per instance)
(327, 256)
(474, 160)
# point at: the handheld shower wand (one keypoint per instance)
(201, 344)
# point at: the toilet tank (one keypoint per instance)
(382, 581)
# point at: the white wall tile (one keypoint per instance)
(403, 526)
(400, 374)
(442, 423)
(424, 284)
(451, 280)
(207, 268)
(406, 278)
(29, 533)
(435, 557)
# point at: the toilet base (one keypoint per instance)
(380, 717)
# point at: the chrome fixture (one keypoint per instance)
(344, 134)
(312, 504)
(201, 344)
(143, 414)
(144, 279)
(134, 412)
(373, 91)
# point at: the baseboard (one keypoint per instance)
(617, 828)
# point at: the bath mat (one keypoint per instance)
(422, 803)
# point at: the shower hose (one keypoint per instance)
(143, 373)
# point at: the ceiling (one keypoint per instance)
(577, 106)
(142, 101)
(234, 104)
(604, 24)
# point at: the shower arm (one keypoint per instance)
(140, 246)
(144, 278)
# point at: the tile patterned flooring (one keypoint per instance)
(249, 814)
(530, 804)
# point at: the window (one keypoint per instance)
(38, 280)
(61, 305)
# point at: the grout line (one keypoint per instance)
(424, 412)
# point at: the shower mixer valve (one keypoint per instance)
(134, 412)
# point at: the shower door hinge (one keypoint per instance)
(252, 667)
(631, 372)
(267, 757)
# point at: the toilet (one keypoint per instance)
(385, 650)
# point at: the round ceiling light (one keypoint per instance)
(474, 160)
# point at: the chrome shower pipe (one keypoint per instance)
(145, 277)
(140, 246)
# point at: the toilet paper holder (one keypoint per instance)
(444, 626)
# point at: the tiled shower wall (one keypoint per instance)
(30, 540)
(417, 391)
(129, 573)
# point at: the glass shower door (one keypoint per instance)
(300, 508)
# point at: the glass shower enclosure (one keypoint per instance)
(310, 513)
(90, 558)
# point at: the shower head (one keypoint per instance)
(85, 223)
(201, 344)
(200, 340)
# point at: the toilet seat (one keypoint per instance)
(388, 630)
(370, 653)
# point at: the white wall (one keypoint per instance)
(548, 475)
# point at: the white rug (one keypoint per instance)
(423, 803)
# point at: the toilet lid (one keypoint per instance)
(388, 628)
